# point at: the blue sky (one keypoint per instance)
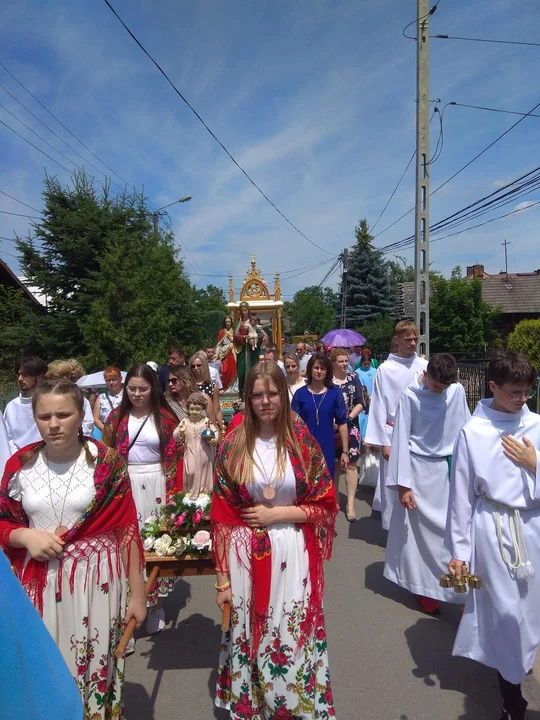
(314, 98)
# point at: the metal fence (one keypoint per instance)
(7, 392)
(474, 378)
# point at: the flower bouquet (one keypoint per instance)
(181, 528)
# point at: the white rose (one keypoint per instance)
(148, 543)
(188, 501)
(162, 544)
(171, 551)
(150, 520)
(201, 540)
(180, 546)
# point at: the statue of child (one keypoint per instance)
(200, 439)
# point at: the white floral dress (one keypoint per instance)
(86, 624)
(281, 683)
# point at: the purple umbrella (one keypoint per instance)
(343, 338)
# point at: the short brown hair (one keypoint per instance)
(338, 352)
(404, 326)
(33, 366)
(324, 360)
(442, 367)
(507, 366)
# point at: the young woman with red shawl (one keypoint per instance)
(69, 526)
(141, 429)
(273, 514)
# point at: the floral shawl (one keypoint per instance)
(315, 494)
(108, 525)
(171, 451)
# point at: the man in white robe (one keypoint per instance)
(20, 424)
(431, 412)
(393, 376)
(493, 527)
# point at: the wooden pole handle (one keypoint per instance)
(132, 624)
(226, 617)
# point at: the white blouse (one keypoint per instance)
(266, 455)
(57, 495)
(146, 448)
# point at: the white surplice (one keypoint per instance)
(490, 494)
(425, 430)
(393, 376)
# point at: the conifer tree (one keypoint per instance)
(369, 289)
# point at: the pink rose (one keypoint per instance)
(201, 539)
(102, 686)
(197, 517)
(180, 519)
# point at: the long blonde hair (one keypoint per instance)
(201, 355)
(240, 462)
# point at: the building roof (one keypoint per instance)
(9, 279)
(520, 294)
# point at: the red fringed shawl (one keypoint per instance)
(172, 452)
(315, 494)
(108, 525)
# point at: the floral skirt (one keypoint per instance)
(281, 683)
(87, 626)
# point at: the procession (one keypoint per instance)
(269, 361)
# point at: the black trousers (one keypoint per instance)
(513, 701)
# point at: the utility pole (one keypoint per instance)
(345, 261)
(421, 217)
(156, 219)
(506, 243)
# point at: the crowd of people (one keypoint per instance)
(458, 495)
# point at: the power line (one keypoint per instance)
(496, 110)
(177, 91)
(483, 40)
(491, 144)
(6, 212)
(3, 252)
(417, 20)
(35, 146)
(19, 201)
(64, 126)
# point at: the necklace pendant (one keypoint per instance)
(269, 493)
(61, 530)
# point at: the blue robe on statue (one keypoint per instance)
(34, 679)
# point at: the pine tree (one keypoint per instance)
(369, 289)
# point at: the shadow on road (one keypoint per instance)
(378, 584)
(139, 705)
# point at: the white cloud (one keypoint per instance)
(525, 204)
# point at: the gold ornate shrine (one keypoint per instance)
(262, 303)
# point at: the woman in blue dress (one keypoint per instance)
(321, 406)
(366, 374)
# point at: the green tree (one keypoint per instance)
(460, 321)
(311, 310)
(369, 289)
(211, 310)
(142, 302)
(21, 330)
(526, 340)
(379, 333)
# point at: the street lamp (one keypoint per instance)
(157, 214)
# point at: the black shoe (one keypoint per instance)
(506, 716)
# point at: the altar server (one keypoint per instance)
(431, 412)
(494, 527)
(393, 376)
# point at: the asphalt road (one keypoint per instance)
(388, 661)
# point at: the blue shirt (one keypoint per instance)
(367, 377)
(328, 407)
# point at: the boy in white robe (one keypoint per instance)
(494, 528)
(393, 376)
(20, 424)
(431, 412)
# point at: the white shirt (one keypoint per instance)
(146, 447)
(302, 362)
(426, 424)
(20, 424)
(265, 454)
(293, 388)
(393, 376)
(5, 450)
(282, 366)
(480, 467)
(214, 376)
